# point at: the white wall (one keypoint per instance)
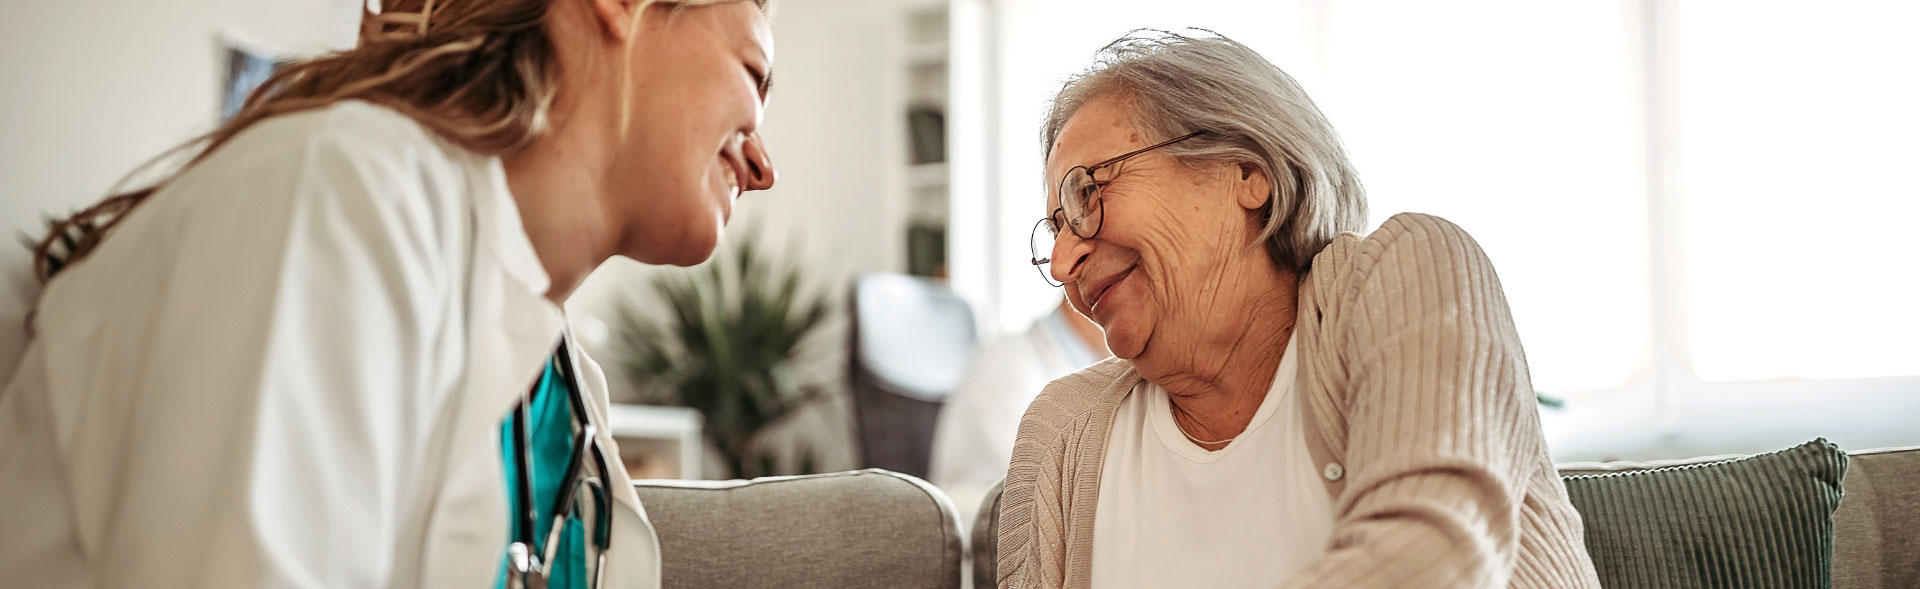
(93, 88)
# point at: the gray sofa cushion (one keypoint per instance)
(1759, 521)
(868, 528)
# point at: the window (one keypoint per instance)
(1799, 140)
(1514, 119)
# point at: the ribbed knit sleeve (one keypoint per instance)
(1054, 479)
(1443, 439)
(1033, 479)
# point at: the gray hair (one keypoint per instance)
(1249, 112)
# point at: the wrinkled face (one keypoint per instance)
(699, 79)
(1161, 272)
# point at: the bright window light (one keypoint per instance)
(1516, 120)
(1800, 138)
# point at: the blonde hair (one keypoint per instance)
(1249, 112)
(482, 73)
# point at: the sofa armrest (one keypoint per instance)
(867, 528)
(986, 537)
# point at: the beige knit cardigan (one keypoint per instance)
(1418, 409)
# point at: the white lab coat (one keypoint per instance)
(289, 369)
(973, 441)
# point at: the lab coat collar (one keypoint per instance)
(502, 231)
(533, 325)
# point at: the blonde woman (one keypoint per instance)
(330, 351)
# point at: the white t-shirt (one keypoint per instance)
(1172, 514)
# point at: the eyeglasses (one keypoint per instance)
(1081, 209)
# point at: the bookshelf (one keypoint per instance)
(925, 62)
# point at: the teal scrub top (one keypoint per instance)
(552, 437)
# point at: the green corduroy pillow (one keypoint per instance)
(1759, 521)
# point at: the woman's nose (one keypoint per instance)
(760, 173)
(1068, 251)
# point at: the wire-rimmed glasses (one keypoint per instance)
(1081, 207)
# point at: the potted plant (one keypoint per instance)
(733, 332)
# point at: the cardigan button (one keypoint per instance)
(1334, 471)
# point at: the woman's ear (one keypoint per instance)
(617, 19)
(1254, 188)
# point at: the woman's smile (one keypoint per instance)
(1102, 292)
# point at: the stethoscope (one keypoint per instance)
(526, 568)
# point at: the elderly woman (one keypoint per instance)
(1291, 403)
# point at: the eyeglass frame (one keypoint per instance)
(1053, 228)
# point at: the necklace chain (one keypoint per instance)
(1183, 431)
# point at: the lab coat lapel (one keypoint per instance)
(635, 551)
(514, 328)
(511, 330)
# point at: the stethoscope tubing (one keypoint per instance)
(563, 502)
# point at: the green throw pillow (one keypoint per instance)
(1759, 521)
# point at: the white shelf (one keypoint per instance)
(675, 427)
(932, 175)
(920, 194)
(927, 54)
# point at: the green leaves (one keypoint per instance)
(733, 330)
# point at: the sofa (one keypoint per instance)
(875, 528)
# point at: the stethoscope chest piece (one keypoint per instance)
(526, 571)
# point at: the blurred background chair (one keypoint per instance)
(911, 339)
